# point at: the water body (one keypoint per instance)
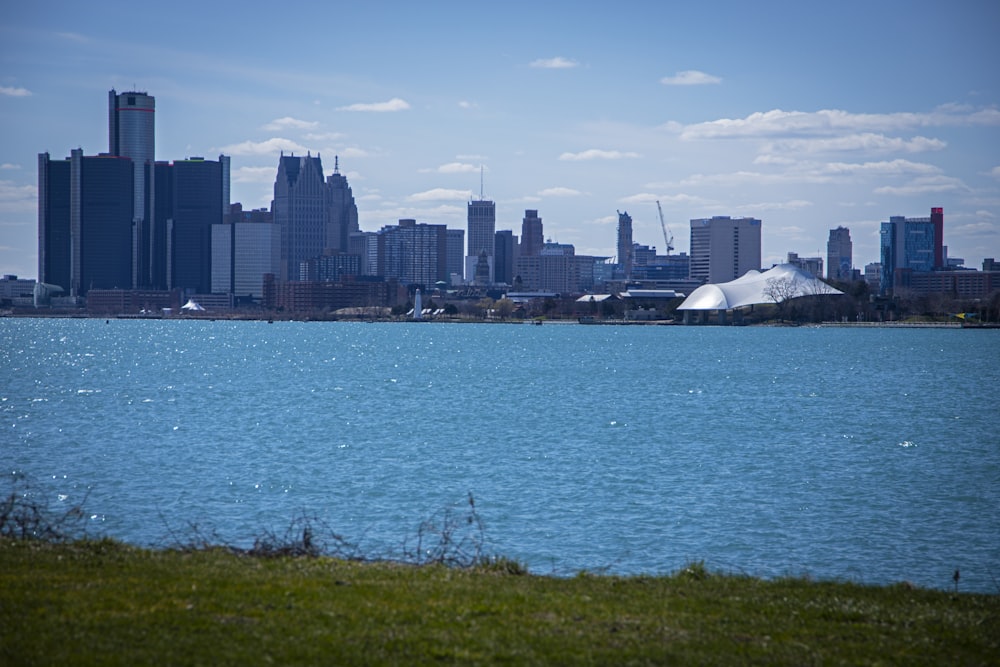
(871, 455)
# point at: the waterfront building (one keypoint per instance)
(915, 244)
(813, 265)
(505, 246)
(131, 134)
(16, 291)
(532, 238)
(196, 205)
(456, 254)
(365, 246)
(300, 210)
(625, 248)
(839, 255)
(341, 211)
(724, 248)
(85, 222)
(481, 228)
(413, 253)
(245, 248)
(873, 275)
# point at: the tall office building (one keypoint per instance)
(413, 253)
(482, 218)
(456, 253)
(197, 205)
(532, 237)
(913, 244)
(505, 246)
(625, 248)
(299, 207)
(724, 248)
(341, 211)
(839, 255)
(85, 222)
(245, 248)
(131, 134)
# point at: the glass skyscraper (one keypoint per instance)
(131, 134)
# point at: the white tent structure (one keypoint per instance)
(756, 287)
(192, 306)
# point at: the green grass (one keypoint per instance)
(105, 603)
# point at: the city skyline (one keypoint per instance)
(888, 110)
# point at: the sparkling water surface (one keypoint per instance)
(870, 455)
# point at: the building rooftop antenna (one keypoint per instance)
(481, 182)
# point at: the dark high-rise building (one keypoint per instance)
(505, 246)
(300, 207)
(197, 205)
(839, 255)
(54, 236)
(131, 134)
(342, 212)
(625, 248)
(532, 239)
(456, 253)
(85, 222)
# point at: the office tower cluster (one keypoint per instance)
(122, 220)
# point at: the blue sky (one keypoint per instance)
(805, 115)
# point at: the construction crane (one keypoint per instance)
(668, 238)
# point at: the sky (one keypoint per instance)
(806, 115)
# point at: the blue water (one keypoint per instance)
(870, 455)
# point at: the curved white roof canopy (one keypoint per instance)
(752, 287)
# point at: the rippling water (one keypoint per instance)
(871, 455)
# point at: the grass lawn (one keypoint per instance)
(106, 603)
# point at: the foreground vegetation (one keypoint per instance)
(102, 602)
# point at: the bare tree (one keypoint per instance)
(781, 291)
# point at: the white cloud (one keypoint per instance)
(791, 205)
(17, 198)
(924, 185)
(395, 104)
(465, 104)
(452, 168)
(868, 142)
(995, 173)
(828, 122)
(8, 166)
(691, 77)
(353, 151)
(441, 194)
(14, 92)
(891, 167)
(288, 122)
(597, 154)
(554, 63)
(559, 192)
(266, 147)
(254, 174)
(323, 136)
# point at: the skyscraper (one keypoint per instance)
(724, 248)
(481, 228)
(532, 236)
(503, 265)
(914, 244)
(839, 255)
(85, 222)
(625, 248)
(131, 134)
(299, 207)
(413, 253)
(197, 205)
(341, 211)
